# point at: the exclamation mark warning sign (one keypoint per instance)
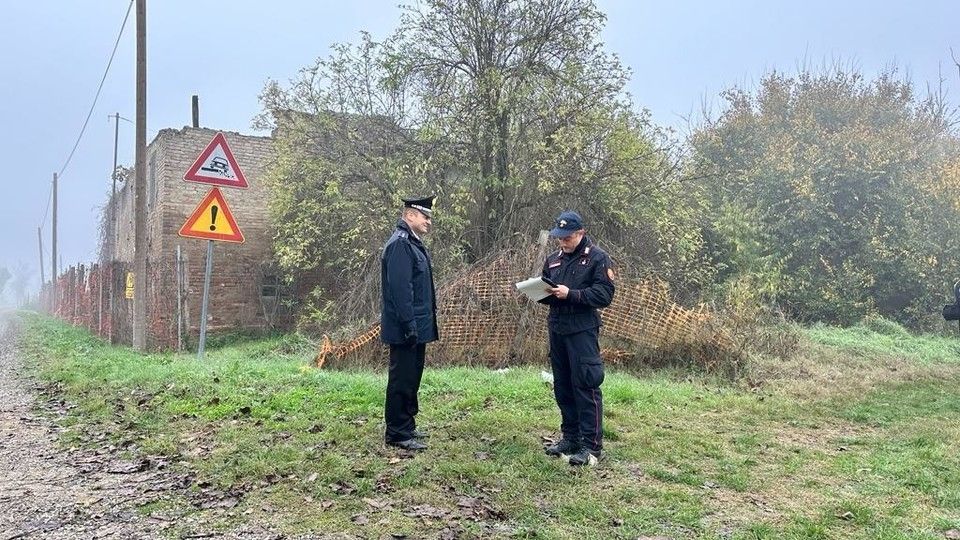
(212, 220)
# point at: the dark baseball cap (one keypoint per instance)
(567, 223)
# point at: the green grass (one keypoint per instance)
(882, 337)
(690, 458)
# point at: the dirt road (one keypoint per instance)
(52, 493)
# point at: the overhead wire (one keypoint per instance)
(93, 105)
(99, 88)
(47, 209)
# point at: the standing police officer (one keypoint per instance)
(408, 319)
(584, 282)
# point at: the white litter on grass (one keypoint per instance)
(547, 377)
(501, 370)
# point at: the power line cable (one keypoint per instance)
(47, 209)
(99, 89)
(103, 79)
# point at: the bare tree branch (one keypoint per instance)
(955, 62)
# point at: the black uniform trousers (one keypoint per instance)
(403, 383)
(577, 375)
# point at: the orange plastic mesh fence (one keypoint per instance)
(484, 320)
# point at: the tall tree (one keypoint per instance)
(510, 109)
(499, 76)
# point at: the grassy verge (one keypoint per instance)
(870, 454)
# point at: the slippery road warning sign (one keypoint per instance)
(216, 165)
(212, 220)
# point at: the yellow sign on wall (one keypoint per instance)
(129, 290)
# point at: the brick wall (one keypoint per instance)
(83, 299)
(235, 302)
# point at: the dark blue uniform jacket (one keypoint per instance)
(587, 273)
(409, 296)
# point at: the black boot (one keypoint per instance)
(564, 447)
(409, 444)
(585, 457)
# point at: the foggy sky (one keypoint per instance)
(682, 55)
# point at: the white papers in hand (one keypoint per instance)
(534, 288)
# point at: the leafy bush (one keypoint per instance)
(837, 193)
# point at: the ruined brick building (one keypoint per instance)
(247, 290)
(244, 291)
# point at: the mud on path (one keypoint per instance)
(51, 493)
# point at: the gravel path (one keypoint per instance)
(48, 492)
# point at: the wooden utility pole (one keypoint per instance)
(112, 242)
(43, 278)
(107, 258)
(113, 173)
(140, 195)
(53, 254)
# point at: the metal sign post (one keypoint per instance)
(212, 220)
(206, 299)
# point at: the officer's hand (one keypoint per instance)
(411, 339)
(560, 291)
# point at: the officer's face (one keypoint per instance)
(571, 242)
(419, 222)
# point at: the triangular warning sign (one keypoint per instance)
(216, 165)
(212, 220)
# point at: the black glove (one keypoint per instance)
(411, 339)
